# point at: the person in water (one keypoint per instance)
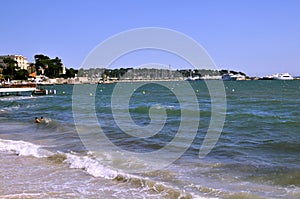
(37, 120)
(42, 120)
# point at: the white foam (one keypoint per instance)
(9, 109)
(94, 167)
(88, 163)
(16, 98)
(23, 148)
(21, 195)
(91, 166)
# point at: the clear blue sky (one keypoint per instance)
(258, 37)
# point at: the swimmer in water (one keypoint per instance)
(37, 120)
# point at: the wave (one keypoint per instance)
(24, 195)
(280, 146)
(93, 167)
(10, 108)
(53, 125)
(224, 193)
(17, 98)
(88, 163)
(262, 174)
(13, 106)
(23, 148)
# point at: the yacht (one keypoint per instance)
(233, 77)
(193, 78)
(283, 76)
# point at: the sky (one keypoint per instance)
(257, 37)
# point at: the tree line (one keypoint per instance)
(52, 68)
(123, 72)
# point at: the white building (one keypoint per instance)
(64, 71)
(21, 60)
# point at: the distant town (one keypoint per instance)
(46, 70)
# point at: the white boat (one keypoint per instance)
(193, 78)
(213, 77)
(283, 76)
(16, 88)
(269, 77)
(233, 77)
(16, 91)
(23, 88)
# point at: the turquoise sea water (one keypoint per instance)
(256, 155)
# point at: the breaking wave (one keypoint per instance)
(89, 164)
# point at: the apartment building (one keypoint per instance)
(21, 60)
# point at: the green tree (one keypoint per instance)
(21, 74)
(31, 68)
(41, 62)
(10, 68)
(69, 73)
(52, 67)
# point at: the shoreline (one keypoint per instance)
(152, 80)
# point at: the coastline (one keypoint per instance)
(71, 82)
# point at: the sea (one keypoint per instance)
(144, 140)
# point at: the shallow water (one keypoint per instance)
(256, 155)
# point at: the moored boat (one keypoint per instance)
(40, 92)
(283, 76)
(16, 88)
(26, 88)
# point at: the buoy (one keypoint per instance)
(233, 90)
(63, 92)
(144, 92)
(91, 94)
(197, 91)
